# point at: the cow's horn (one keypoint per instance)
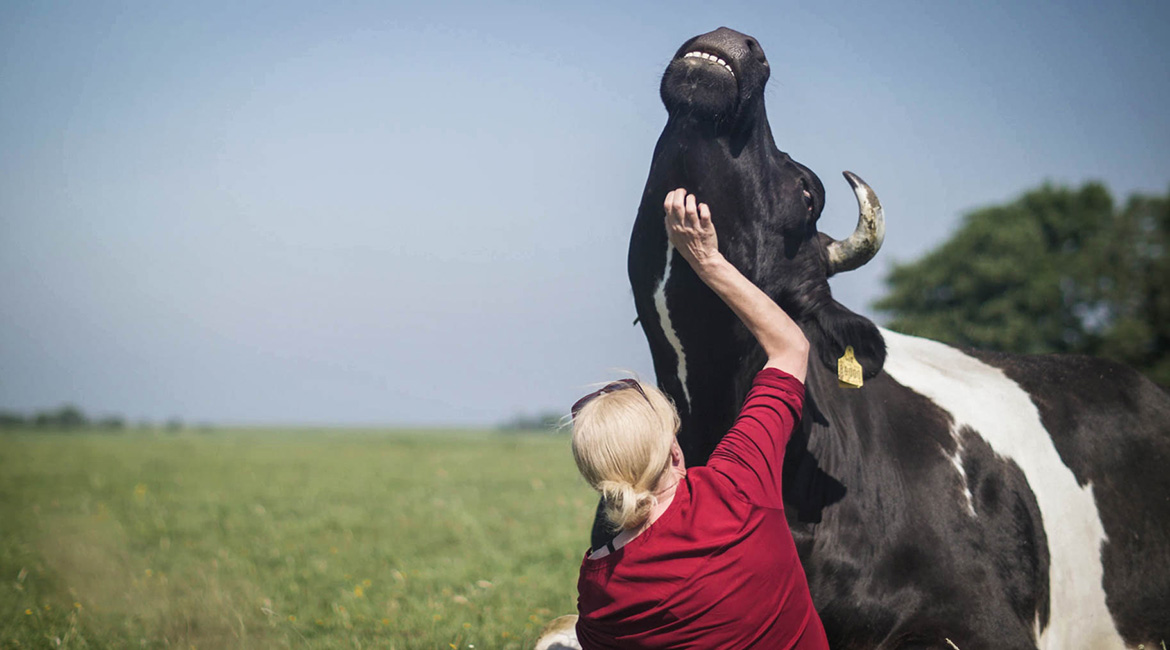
(865, 241)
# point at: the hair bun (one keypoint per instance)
(626, 507)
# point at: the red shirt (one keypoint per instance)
(718, 569)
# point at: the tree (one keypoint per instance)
(1057, 270)
(67, 416)
(544, 421)
(112, 422)
(12, 420)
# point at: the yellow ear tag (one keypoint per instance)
(848, 370)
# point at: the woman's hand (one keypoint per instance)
(690, 229)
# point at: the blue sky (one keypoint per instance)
(366, 213)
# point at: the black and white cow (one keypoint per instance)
(960, 498)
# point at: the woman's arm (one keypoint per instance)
(691, 232)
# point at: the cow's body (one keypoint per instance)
(959, 499)
(992, 500)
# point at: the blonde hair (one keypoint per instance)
(621, 443)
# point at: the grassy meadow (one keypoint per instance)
(273, 539)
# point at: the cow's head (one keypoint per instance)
(718, 144)
(716, 76)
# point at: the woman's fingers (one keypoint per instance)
(689, 227)
(683, 207)
(704, 217)
(692, 215)
(668, 205)
(687, 218)
(677, 207)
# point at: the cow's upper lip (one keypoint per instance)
(711, 56)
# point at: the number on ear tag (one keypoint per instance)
(848, 370)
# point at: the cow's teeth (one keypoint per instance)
(709, 57)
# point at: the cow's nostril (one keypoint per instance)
(755, 50)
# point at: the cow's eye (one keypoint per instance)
(808, 197)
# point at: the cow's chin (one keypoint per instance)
(703, 91)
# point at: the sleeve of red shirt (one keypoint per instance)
(752, 453)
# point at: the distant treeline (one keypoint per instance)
(70, 418)
(547, 421)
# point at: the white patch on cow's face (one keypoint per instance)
(995, 407)
(668, 327)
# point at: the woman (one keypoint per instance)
(703, 557)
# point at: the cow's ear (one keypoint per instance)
(833, 327)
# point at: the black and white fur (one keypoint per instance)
(959, 499)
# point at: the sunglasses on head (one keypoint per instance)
(611, 387)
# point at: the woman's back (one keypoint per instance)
(718, 569)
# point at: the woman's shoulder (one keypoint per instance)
(709, 485)
(714, 508)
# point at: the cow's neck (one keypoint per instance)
(701, 145)
(836, 446)
(723, 168)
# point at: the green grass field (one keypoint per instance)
(278, 539)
